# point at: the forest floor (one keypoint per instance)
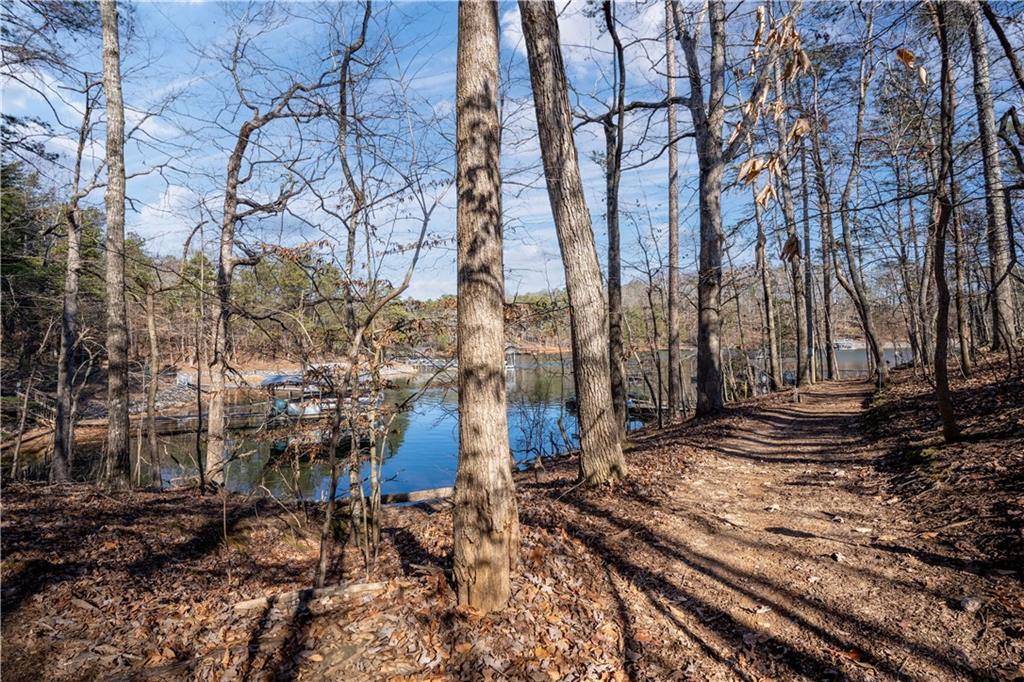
(827, 538)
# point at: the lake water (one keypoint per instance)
(421, 448)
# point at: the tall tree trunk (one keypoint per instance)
(601, 458)
(796, 259)
(216, 429)
(774, 359)
(486, 525)
(675, 378)
(712, 157)
(1004, 324)
(154, 382)
(943, 199)
(963, 329)
(855, 284)
(805, 190)
(63, 437)
(118, 456)
(924, 287)
(907, 270)
(613, 173)
(200, 357)
(707, 123)
(827, 244)
(615, 345)
(64, 428)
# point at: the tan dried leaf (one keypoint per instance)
(801, 127)
(905, 56)
(733, 136)
(805, 62)
(923, 75)
(766, 194)
(750, 169)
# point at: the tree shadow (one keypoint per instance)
(664, 592)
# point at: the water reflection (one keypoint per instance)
(421, 448)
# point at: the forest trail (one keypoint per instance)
(768, 543)
(777, 553)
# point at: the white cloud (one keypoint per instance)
(167, 222)
(579, 35)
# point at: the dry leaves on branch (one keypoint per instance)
(766, 195)
(750, 169)
(791, 250)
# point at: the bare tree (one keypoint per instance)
(486, 525)
(792, 248)
(1004, 324)
(853, 279)
(613, 132)
(118, 458)
(713, 155)
(944, 209)
(601, 458)
(675, 377)
(63, 437)
(293, 103)
(761, 261)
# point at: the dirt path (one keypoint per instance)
(765, 544)
(776, 553)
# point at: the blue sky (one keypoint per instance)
(176, 161)
(193, 135)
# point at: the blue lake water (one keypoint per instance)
(421, 447)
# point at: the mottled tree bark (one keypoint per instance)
(64, 428)
(601, 458)
(486, 525)
(675, 378)
(943, 199)
(613, 173)
(1004, 324)
(216, 429)
(117, 463)
(854, 285)
(796, 260)
(774, 360)
(154, 381)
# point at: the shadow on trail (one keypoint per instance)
(670, 597)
